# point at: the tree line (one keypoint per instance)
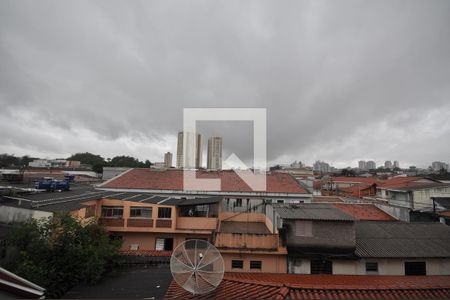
(96, 161)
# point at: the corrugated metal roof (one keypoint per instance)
(311, 211)
(402, 240)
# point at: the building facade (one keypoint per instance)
(214, 153)
(189, 150)
(168, 160)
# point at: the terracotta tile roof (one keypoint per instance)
(147, 253)
(364, 212)
(444, 213)
(150, 179)
(367, 180)
(355, 188)
(290, 286)
(403, 182)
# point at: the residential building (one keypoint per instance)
(214, 153)
(73, 164)
(388, 164)
(325, 239)
(168, 160)
(349, 186)
(362, 165)
(40, 163)
(371, 165)
(189, 150)
(439, 165)
(159, 165)
(321, 167)
(396, 164)
(314, 233)
(150, 211)
(304, 175)
(413, 193)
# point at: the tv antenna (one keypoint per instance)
(197, 266)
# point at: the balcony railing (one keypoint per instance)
(163, 223)
(113, 222)
(247, 241)
(140, 223)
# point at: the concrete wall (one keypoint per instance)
(270, 263)
(146, 240)
(10, 215)
(400, 213)
(434, 266)
(422, 198)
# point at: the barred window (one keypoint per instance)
(237, 264)
(141, 212)
(255, 264)
(112, 211)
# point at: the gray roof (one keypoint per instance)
(311, 211)
(443, 201)
(422, 187)
(73, 199)
(402, 240)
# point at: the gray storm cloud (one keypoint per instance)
(341, 80)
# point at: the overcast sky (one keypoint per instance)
(341, 80)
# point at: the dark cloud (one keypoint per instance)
(341, 80)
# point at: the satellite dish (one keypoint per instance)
(197, 266)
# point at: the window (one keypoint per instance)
(415, 268)
(280, 201)
(112, 211)
(164, 244)
(238, 202)
(90, 211)
(195, 211)
(237, 264)
(255, 264)
(164, 212)
(303, 228)
(141, 212)
(371, 267)
(321, 266)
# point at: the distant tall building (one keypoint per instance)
(371, 165)
(388, 164)
(214, 153)
(439, 165)
(168, 160)
(396, 164)
(322, 167)
(362, 165)
(189, 150)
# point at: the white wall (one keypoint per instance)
(9, 214)
(434, 266)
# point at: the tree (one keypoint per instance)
(348, 172)
(88, 159)
(128, 161)
(59, 252)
